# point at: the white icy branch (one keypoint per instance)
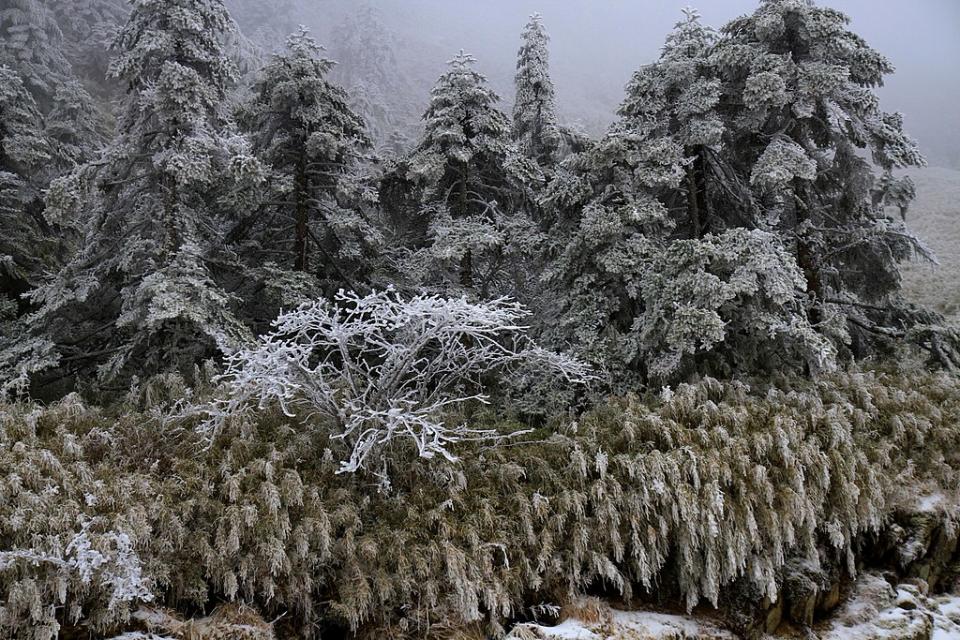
(381, 368)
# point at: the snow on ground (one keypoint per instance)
(878, 611)
(632, 625)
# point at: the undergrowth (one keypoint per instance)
(683, 493)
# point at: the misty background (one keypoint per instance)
(597, 45)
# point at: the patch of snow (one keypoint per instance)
(628, 624)
(877, 611)
(930, 503)
(663, 625)
(946, 617)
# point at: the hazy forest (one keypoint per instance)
(311, 328)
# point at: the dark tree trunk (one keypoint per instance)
(807, 257)
(697, 204)
(302, 229)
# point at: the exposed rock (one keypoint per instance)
(811, 590)
(801, 591)
(929, 540)
(748, 612)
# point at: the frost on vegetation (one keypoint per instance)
(382, 368)
(48, 576)
(708, 490)
(107, 561)
(782, 162)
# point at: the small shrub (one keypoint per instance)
(379, 368)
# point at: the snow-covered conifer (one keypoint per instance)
(806, 129)
(89, 27)
(644, 290)
(368, 69)
(680, 93)
(606, 227)
(303, 128)
(142, 292)
(473, 183)
(32, 44)
(534, 110)
(726, 304)
(25, 237)
(266, 24)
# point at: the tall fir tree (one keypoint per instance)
(647, 284)
(265, 23)
(44, 103)
(805, 129)
(89, 27)
(680, 93)
(32, 44)
(368, 69)
(535, 125)
(27, 241)
(142, 293)
(474, 187)
(304, 130)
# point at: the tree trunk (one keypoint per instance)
(693, 204)
(302, 229)
(697, 204)
(806, 255)
(466, 263)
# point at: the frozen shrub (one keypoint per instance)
(381, 368)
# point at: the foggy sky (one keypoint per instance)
(597, 44)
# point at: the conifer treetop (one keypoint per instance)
(535, 125)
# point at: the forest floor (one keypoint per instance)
(935, 218)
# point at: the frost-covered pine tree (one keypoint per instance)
(142, 295)
(302, 127)
(475, 187)
(32, 44)
(535, 127)
(265, 23)
(606, 228)
(464, 158)
(26, 240)
(48, 123)
(647, 284)
(806, 130)
(680, 94)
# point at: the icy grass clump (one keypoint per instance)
(107, 561)
(383, 368)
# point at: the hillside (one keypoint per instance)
(935, 217)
